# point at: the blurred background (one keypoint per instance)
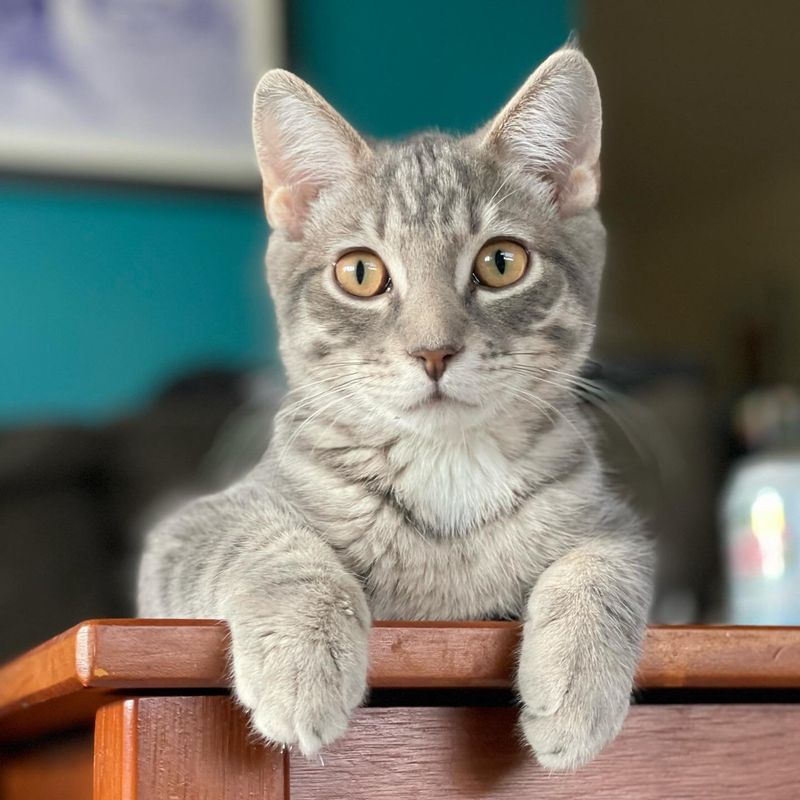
(137, 346)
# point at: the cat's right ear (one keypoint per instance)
(550, 130)
(303, 145)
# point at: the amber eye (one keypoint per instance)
(500, 263)
(362, 273)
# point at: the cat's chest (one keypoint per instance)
(451, 486)
(440, 533)
(486, 575)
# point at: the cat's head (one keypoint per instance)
(440, 278)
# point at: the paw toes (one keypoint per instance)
(560, 743)
(274, 728)
(541, 709)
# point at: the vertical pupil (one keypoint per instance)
(360, 271)
(500, 261)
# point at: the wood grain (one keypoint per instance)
(64, 681)
(116, 751)
(60, 770)
(698, 657)
(732, 752)
(183, 748)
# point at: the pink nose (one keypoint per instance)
(435, 360)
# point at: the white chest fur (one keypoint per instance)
(453, 483)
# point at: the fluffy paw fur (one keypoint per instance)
(574, 701)
(301, 675)
(579, 651)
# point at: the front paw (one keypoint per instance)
(301, 674)
(575, 693)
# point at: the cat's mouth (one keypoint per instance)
(439, 399)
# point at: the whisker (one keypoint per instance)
(506, 196)
(354, 362)
(304, 386)
(540, 400)
(601, 401)
(334, 421)
(640, 427)
(577, 390)
(293, 408)
(500, 187)
(337, 398)
(532, 399)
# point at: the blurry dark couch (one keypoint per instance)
(75, 500)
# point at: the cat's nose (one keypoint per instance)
(435, 360)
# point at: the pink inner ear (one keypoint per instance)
(581, 189)
(287, 206)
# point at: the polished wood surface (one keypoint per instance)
(183, 748)
(714, 752)
(68, 678)
(166, 726)
(199, 747)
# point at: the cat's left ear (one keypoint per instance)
(551, 128)
(303, 146)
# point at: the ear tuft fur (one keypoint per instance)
(303, 146)
(551, 129)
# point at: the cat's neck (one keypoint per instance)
(450, 484)
(445, 479)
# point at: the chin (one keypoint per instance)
(441, 413)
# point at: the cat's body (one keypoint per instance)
(463, 487)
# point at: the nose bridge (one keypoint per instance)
(433, 318)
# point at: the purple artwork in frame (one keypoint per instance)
(147, 90)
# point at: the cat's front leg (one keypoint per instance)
(299, 620)
(581, 642)
(299, 648)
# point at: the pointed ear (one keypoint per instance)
(302, 145)
(551, 130)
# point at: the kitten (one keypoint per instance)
(435, 298)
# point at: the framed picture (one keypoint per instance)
(154, 90)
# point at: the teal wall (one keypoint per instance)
(394, 67)
(107, 292)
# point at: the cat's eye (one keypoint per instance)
(500, 263)
(362, 273)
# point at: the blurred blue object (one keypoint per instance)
(761, 519)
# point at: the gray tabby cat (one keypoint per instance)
(435, 299)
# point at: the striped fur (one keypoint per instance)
(371, 502)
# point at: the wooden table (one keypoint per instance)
(139, 710)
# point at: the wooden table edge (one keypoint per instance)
(100, 659)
